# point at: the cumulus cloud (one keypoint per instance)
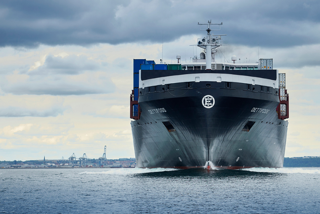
(253, 23)
(45, 140)
(9, 131)
(70, 65)
(291, 57)
(24, 112)
(31, 106)
(58, 85)
(36, 130)
(57, 75)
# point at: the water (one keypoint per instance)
(258, 190)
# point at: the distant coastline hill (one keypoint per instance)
(306, 161)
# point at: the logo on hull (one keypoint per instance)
(208, 101)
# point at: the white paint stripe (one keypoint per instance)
(208, 78)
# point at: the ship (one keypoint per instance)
(206, 113)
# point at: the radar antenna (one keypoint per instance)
(210, 43)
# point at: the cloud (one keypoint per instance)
(23, 112)
(70, 65)
(57, 75)
(31, 106)
(290, 57)
(268, 24)
(8, 130)
(45, 140)
(113, 111)
(57, 85)
(50, 49)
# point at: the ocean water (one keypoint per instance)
(256, 190)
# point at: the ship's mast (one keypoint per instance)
(210, 44)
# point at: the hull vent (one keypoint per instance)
(248, 126)
(169, 126)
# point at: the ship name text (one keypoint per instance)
(260, 110)
(157, 110)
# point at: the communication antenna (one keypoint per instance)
(210, 43)
(178, 58)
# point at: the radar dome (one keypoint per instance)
(234, 58)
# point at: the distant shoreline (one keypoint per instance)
(307, 161)
(70, 168)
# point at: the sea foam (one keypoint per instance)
(285, 170)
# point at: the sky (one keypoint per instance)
(66, 66)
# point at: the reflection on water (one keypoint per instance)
(215, 172)
(204, 173)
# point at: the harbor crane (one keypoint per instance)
(83, 160)
(72, 159)
(103, 159)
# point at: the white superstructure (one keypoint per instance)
(207, 62)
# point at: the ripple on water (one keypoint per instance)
(128, 171)
(306, 170)
(256, 190)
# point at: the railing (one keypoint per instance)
(283, 107)
(134, 108)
